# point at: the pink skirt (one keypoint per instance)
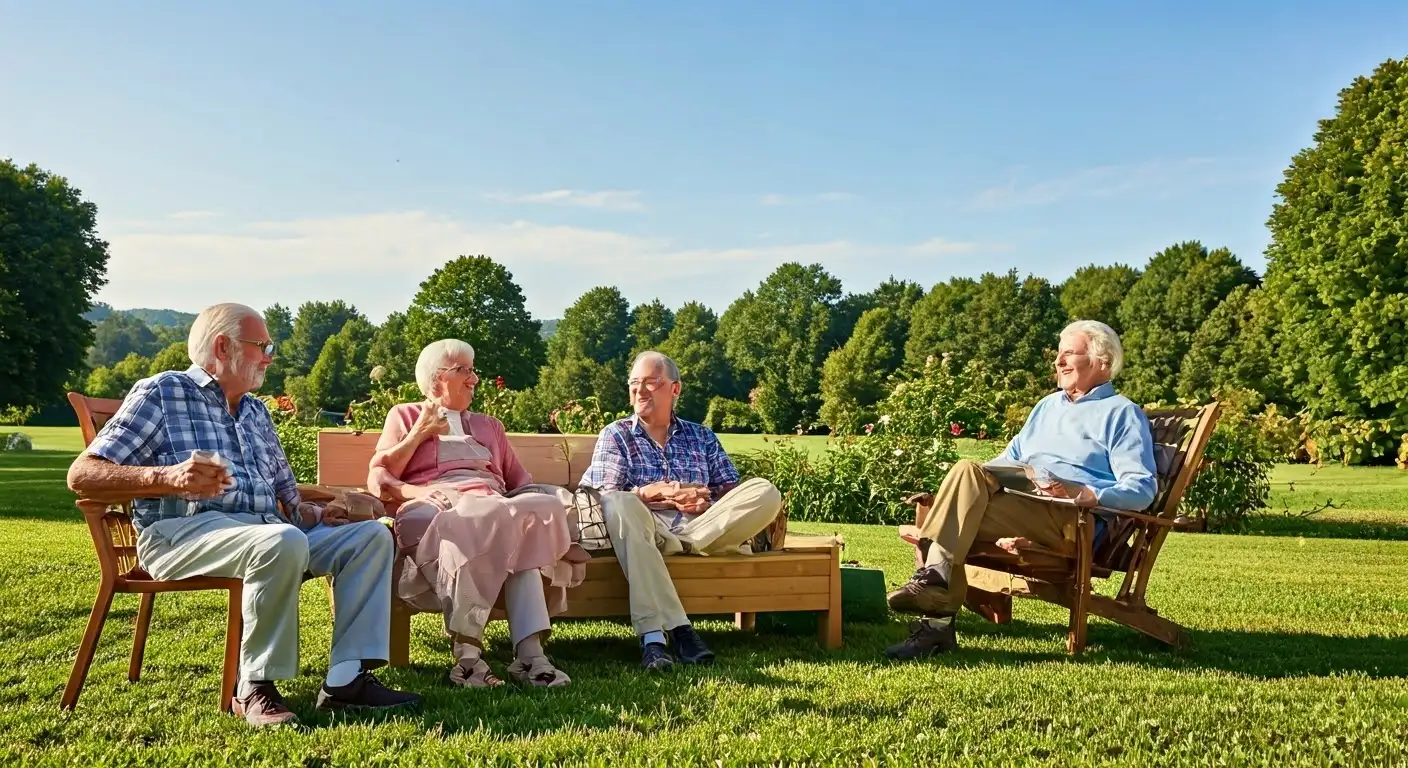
(457, 550)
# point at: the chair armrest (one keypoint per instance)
(1140, 516)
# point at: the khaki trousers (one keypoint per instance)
(270, 557)
(970, 507)
(640, 539)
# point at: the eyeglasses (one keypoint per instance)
(267, 345)
(465, 369)
(649, 385)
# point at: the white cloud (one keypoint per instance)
(1158, 176)
(378, 261)
(608, 200)
(823, 197)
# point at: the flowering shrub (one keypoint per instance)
(583, 417)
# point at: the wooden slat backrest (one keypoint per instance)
(344, 457)
(116, 537)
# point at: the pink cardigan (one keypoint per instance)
(422, 468)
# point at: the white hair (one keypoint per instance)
(660, 359)
(212, 323)
(1104, 343)
(433, 358)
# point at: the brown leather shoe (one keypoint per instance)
(926, 592)
(264, 706)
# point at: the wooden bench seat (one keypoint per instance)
(804, 576)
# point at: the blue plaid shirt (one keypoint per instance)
(166, 417)
(626, 458)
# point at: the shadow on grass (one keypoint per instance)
(1310, 527)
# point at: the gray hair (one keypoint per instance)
(1104, 343)
(212, 323)
(672, 371)
(433, 358)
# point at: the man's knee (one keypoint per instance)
(967, 471)
(281, 546)
(624, 512)
(769, 498)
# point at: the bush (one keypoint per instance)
(725, 415)
(1234, 481)
(909, 450)
(1354, 441)
(300, 444)
(19, 441)
(583, 417)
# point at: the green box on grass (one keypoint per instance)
(862, 600)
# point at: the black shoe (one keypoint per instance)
(925, 640)
(689, 646)
(925, 592)
(364, 692)
(655, 657)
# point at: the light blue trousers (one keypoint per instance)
(271, 557)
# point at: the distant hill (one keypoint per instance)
(165, 318)
(549, 328)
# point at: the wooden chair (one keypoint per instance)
(115, 540)
(1131, 544)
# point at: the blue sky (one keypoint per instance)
(682, 151)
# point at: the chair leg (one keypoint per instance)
(1080, 587)
(88, 647)
(139, 638)
(745, 621)
(234, 635)
(400, 634)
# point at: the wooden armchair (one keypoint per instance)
(1130, 544)
(115, 540)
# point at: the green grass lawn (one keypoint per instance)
(1297, 658)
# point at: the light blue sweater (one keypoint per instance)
(1102, 440)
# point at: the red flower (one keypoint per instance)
(499, 382)
(955, 429)
(869, 428)
(983, 433)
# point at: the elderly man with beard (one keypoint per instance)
(668, 488)
(1083, 445)
(218, 498)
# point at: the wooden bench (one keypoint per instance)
(805, 577)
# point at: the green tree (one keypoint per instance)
(588, 354)
(391, 351)
(1013, 324)
(1179, 289)
(1095, 292)
(781, 335)
(172, 358)
(51, 264)
(1234, 347)
(1337, 265)
(899, 296)
(650, 325)
(314, 324)
(119, 335)
(854, 376)
(279, 320)
(115, 381)
(694, 346)
(474, 299)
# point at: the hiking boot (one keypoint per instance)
(264, 706)
(925, 592)
(689, 647)
(364, 692)
(655, 657)
(925, 639)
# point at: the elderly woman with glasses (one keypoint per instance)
(470, 524)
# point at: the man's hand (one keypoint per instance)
(1085, 497)
(431, 422)
(668, 494)
(195, 478)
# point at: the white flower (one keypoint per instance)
(885, 419)
(379, 373)
(899, 451)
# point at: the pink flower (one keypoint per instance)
(955, 429)
(982, 433)
(499, 382)
(869, 428)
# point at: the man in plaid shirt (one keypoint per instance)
(219, 499)
(668, 488)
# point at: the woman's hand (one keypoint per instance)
(430, 423)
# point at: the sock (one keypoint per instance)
(343, 673)
(530, 647)
(938, 562)
(939, 622)
(652, 637)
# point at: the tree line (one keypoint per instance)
(1323, 333)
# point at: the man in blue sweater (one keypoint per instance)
(1083, 444)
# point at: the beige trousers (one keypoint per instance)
(970, 507)
(640, 540)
